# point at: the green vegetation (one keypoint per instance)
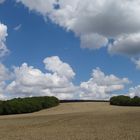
(125, 101)
(27, 105)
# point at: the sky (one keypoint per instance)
(69, 49)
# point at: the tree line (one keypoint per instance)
(27, 105)
(125, 101)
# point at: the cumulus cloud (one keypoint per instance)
(94, 22)
(136, 62)
(30, 81)
(101, 86)
(127, 45)
(5, 75)
(54, 64)
(134, 91)
(93, 41)
(3, 35)
(27, 81)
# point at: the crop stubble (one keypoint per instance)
(74, 121)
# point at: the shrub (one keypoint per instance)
(27, 105)
(125, 101)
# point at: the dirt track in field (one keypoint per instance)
(74, 121)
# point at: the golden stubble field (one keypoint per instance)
(74, 121)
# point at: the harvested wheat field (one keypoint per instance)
(74, 121)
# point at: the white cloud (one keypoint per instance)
(1, 1)
(4, 72)
(54, 64)
(5, 75)
(134, 91)
(95, 21)
(127, 45)
(93, 41)
(29, 81)
(136, 62)
(3, 35)
(17, 27)
(101, 86)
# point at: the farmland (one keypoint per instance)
(74, 121)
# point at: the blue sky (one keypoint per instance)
(37, 39)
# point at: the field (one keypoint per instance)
(74, 121)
